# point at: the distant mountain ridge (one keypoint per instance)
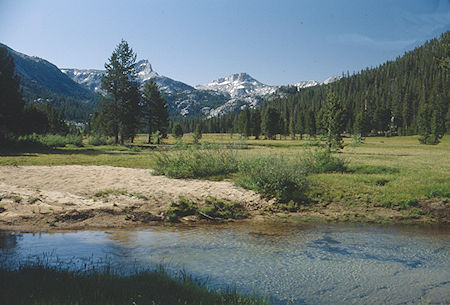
(42, 80)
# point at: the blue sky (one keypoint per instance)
(277, 42)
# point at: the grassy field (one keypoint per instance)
(395, 172)
(47, 285)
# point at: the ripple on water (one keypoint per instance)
(315, 264)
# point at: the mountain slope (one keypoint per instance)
(42, 79)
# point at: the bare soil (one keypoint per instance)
(46, 198)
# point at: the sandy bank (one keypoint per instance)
(69, 197)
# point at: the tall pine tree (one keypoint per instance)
(123, 96)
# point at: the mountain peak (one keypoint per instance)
(238, 85)
(144, 70)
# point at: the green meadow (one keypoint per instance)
(391, 172)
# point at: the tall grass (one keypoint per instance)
(322, 161)
(196, 163)
(54, 286)
(274, 177)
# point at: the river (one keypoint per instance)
(294, 264)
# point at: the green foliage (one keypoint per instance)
(121, 108)
(322, 161)
(177, 131)
(11, 104)
(197, 134)
(333, 121)
(245, 123)
(183, 207)
(155, 109)
(219, 209)
(256, 123)
(274, 177)
(50, 140)
(270, 123)
(430, 125)
(196, 163)
(97, 140)
(41, 285)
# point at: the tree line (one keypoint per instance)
(406, 96)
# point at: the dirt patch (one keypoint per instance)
(436, 207)
(65, 197)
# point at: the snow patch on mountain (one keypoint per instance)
(238, 86)
(331, 79)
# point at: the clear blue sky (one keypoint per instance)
(277, 42)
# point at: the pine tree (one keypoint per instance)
(177, 131)
(332, 120)
(11, 104)
(311, 123)
(430, 125)
(256, 124)
(197, 134)
(119, 82)
(270, 123)
(155, 110)
(245, 123)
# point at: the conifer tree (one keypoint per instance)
(197, 134)
(155, 110)
(332, 121)
(119, 82)
(177, 131)
(245, 123)
(270, 123)
(429, 125)
(256, 124)
(11, 104)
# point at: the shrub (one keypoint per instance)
(223, 210)
(274, 177)
(74, 139)
(181, 208)
(196, 163)
(322, 161)
(99, 140)
(52, 140)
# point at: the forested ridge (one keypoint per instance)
(383, 100)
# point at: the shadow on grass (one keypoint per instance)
(32, 151)
(372, 169)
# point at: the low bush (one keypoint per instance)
(183, 207)
(196, 163)
(322, 161)
(274, 177)
(219, 209)
(51, 140)
(99, 140)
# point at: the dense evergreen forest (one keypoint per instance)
(382, 100)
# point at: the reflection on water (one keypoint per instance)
(314, 264)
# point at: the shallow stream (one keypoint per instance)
(295, 264)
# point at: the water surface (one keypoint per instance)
(301, 264)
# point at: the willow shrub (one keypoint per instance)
(275, 177)
(196, 163)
